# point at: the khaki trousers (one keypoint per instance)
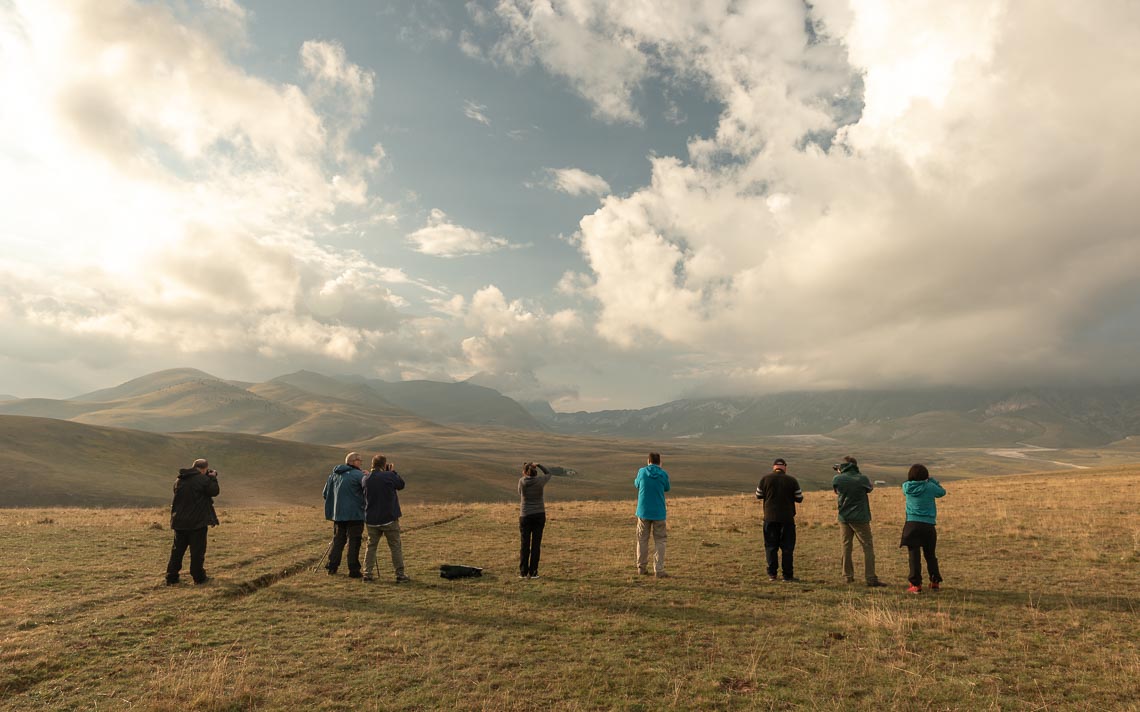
(392, 532)
(644, 528)
(861, 531)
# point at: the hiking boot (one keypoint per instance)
(355, 574)
(661, 574)
(171, 580)
(772, 578)
(643, 572)
(368, 578)
(849, 581)
(935, 585)
(875, 584)
(791, 579)
(202, 580)
(914, 589)
(401, 578)
(330, 572)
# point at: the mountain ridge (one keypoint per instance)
(311, 407)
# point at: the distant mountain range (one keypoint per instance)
(1048, 417)
(345, 410)
(304, 406)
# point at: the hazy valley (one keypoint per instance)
(275, 441)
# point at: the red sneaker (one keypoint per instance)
(934, 586)
(914, 589)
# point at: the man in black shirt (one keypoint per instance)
(779, 491)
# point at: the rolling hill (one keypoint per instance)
(460, 402)
(146, 384)
(200, 404)
(118, 467)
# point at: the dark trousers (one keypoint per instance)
(195, 539)
(780, 537)
(921, 543)
(530, 529)
(351, 532)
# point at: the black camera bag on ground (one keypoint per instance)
(455, 571)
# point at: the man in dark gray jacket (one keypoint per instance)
(382, 515)
(191, 515)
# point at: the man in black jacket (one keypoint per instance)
(779, 492)
(191, 515)
(382, 515)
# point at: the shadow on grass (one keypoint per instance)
(518, 603)
(1047, 601)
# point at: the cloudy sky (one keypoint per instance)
(600, 203)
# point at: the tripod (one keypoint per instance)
(324, 557)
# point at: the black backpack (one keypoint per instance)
(455, 571)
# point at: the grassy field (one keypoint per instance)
(1039, 610)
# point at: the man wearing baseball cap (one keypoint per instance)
(779, 491)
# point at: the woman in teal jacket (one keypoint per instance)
(919, 533)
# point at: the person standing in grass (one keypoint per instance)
(532, 517)
(919, 533)
(851, 489)
(652, 483)
(780, 492)
(344, 507)
(382, 515)
(191, 515)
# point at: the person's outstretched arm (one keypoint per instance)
(938, 490)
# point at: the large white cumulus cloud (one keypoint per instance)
(972, 221)
(161, 203)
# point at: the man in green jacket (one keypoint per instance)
(851, 488)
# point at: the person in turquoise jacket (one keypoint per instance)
(919, 534)
(652, 483)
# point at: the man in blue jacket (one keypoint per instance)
(344, 507)
(382, 515)
(652, 483)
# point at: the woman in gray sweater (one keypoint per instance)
(532, 517)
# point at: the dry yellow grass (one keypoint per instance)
(1039, 610)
